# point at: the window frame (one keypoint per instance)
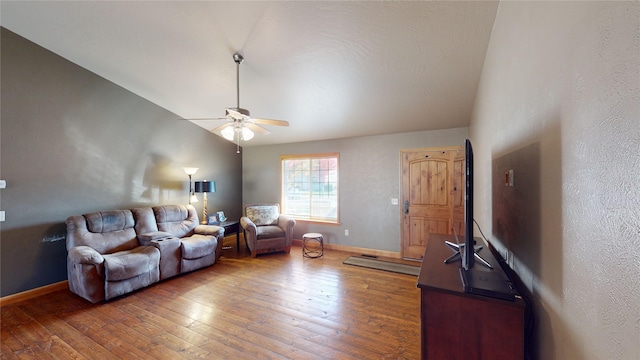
(284, 194)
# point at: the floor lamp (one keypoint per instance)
(205, 187)
(191, 171)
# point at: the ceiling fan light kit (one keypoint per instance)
(244, 133)
(239, 125)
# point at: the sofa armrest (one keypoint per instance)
(247, 224)
(286, 222)
(85, 255)
(146, 239)
(212, 230)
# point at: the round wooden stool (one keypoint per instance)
(312, 245)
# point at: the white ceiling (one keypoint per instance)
(332, 69)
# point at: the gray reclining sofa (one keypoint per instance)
(111, 253)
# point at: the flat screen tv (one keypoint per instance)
(484, 282)
(468, 250)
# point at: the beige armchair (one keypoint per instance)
(266, 230)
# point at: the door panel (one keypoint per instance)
(428, 192)
(429, 182)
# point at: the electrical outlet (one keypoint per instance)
(346, 232)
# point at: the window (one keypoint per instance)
(310, 187)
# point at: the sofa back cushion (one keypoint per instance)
(179, 220)
(261, 215)
(145, 220)
(106, 231)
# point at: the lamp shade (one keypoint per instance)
(190, 170)
(205, 186)
(247, 134)
(228, 133)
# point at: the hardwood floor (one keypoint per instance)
(276, 306)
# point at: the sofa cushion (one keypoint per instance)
(198, 246)
(263, 214)
(179, 220)
(109, 221)
(107, 232)
(145, 220)
(131, 263)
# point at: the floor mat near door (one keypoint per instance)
(382, 265)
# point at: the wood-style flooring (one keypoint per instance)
(275, 306)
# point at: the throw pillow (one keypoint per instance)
(263, 214)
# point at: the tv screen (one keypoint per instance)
(484, 282)
(468, 251)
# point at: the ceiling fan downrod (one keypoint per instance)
(239, 59)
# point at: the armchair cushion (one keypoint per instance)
(271, 231)
(263, 214)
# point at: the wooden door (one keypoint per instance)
(429, 193)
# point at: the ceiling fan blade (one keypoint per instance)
(234, 114)
(221, 127)
(201, 119)
(270, 122)
(257, 129)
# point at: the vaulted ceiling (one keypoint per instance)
(332, 69)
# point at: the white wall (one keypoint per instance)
(563, 79)
(369, 178)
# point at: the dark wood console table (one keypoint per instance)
(457, 325)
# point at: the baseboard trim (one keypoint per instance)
(358, 250)
(29, 294)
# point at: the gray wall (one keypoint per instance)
(73, 142)
(369, 177)
(558, 101)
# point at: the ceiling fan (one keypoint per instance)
(239, 124)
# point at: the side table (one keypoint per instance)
(312, 245)
(232, 227)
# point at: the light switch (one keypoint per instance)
(2, 216)
(508, 178)
(3, 184)
(394, 201)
